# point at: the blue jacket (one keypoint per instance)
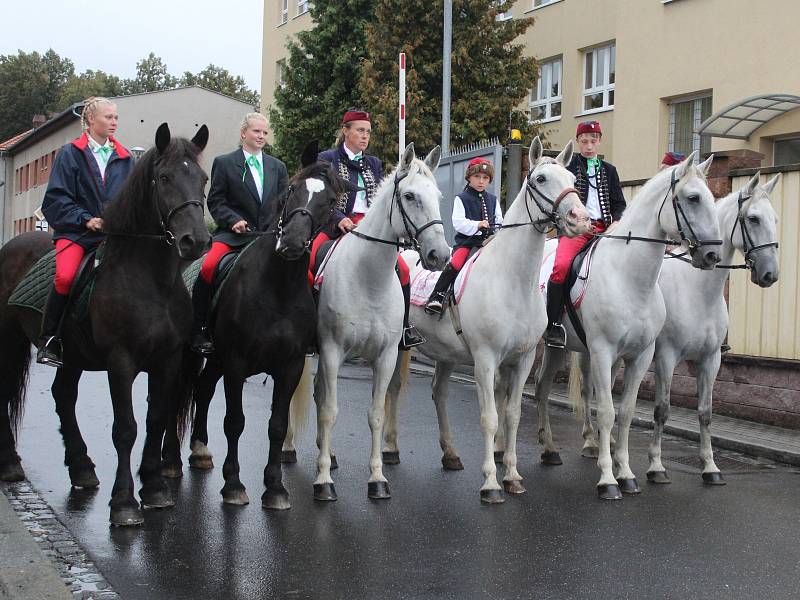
(473, 210)
(76, 192)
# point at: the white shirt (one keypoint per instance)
(98, 157)
(592, 200)
(254, 172)
(360, 205)
(465, 226)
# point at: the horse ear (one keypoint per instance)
(565, 156)
(163, 137)
(770, 185)
(310, 153)
(705, 166)
(433, 158)
(536, 151)
(680, 170)
(751, 185)
(200, 138)
(408, 156)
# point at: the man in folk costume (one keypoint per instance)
(670, 159)
(86, 175)
(350, 160)
(598, 186)
(247, 186)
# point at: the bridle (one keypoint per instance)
(551, 216)
(302, 211)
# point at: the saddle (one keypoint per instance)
(424, 282)
(223, 270)
(576, 284)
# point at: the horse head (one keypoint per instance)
(757, 225)
(687, 211)
(178, 182)
(312, 196)
(414, 213)
(550, 188)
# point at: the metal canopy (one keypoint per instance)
(740, 119)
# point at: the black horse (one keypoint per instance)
(265, 320)
(139, 319)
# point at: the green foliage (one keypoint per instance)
(490, 76)
(30, 84)
(322, 77)
(87, 84)
(220, 80)
(151, 76)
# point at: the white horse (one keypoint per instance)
(500, 315)
(361, 302)
(623, 310)
(697, 316)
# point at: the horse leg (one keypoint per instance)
(124, 507)
(15, 358)
(634, 373)
(707, 369)
(162, 387)
(590, 448)
(516, 377)
(327, 410)
(501, 392)
(76, 457)
(391, 451)
(441, 380)
(382, 369)
(664, 368)
(275, 496)
(288, 450)
(485, 370)
(607, 487)
(233, 492)
(551, 359)
(204, 388)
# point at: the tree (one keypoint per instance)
(87, 84)
(322, 77)
(490, 77)
(30, 84)
(220, 80)
(151, 76)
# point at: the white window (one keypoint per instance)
(502, 16)
(284, 11)
(599, 78)
(303, 6)
(685, 117)
(786, 151)
(545, 101)
(280, 73)
(539, 3)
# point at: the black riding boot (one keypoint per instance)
(556, 335)
(201, 301)
(50, 351)
(411, 337)
(435, 303)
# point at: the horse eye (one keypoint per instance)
(754, 220)
(163, 178)
(693, 198)
(408, 196)
(540, 179)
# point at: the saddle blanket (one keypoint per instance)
(319, 276)
(578, 290)
(424, 281)
(224, 268)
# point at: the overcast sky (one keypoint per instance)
(112, 35)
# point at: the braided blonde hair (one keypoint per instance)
(90, 106)
(251, 117)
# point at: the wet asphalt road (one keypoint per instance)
(433, 539)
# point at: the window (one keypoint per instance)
(280, 73)
(786, 151)
(502, 16)
(284, 17)
(540, 3)
(685, 117)
(303, 6)
(546, 96)
(599, 78)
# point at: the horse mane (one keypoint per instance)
(320, 169)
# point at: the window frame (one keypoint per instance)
(697, 119)
(776, 141)
(548, 101)
(606, 88)
(280, 73)
(283, 12)
(305, 4)
(543, 4)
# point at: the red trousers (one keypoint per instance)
(68, 260)
(568, 248)
(210, 262)
(459, 257)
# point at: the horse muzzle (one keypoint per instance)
(703, 258)
(190, 248)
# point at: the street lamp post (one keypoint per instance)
(446, 52)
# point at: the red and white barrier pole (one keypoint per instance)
(401, 111)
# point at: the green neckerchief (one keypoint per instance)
(593, 162)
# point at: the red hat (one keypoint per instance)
(355, 115)
(479, 165)
(589, 127)
(672, 158)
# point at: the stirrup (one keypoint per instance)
(50, 353)
(555, 336)
(411, 337)
(435, 305)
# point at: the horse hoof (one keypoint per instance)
(452, 463)
(629, 486)
(551, 459)
(514, 487)
(334, 463)
(83, 477)
(12, 472)
(160, 499)
(713, 479)
(492, 497)
(288, 457)
(609, 492)
(378, 490)
(275, 500)
(658, 477)
(391, 458)
(325, 492)
(126, 517)
(203, 463)
(171, 471)
(590, 452)
(235, 497)
(498, 456)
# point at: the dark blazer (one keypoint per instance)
(233, 196)
(333, 156)
(76, 192)
(473, 211)
(613, 209)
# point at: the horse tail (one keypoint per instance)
(575, 384)
(191, 364)
(14, 369)
(300, 403)
(404, 371)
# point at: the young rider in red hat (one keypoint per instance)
(476, 213)
(598, 186)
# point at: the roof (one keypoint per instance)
(17, 138)
(740, 119)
